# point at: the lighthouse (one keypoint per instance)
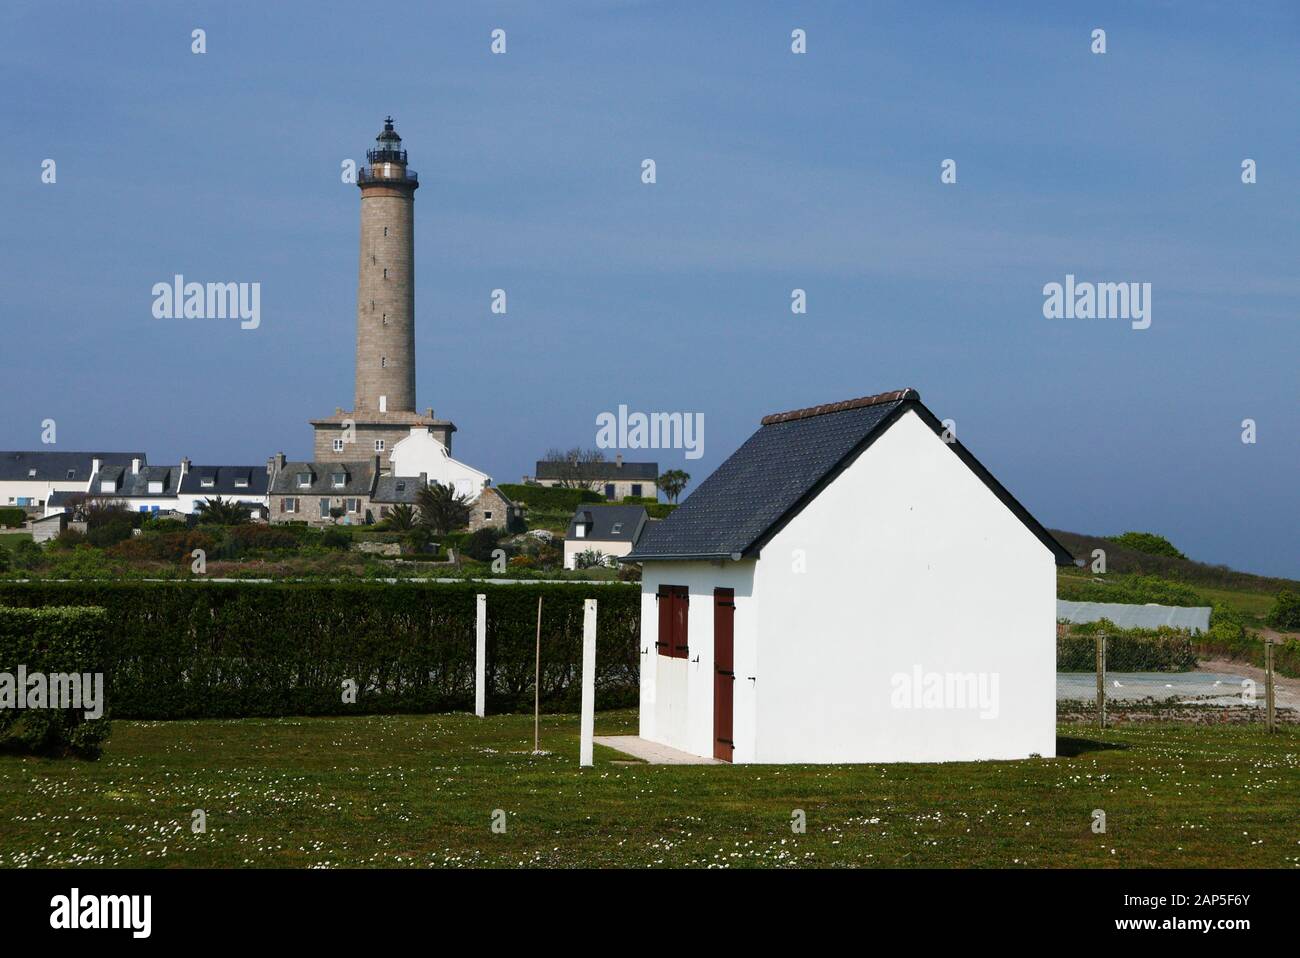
(383, 410)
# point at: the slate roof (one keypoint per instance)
(56, 466)
(397, 489)
(360, 479)
(224, 480)
(135, 485)
(782, 467)
(599, 471)
(1128, 616)
(603, 520)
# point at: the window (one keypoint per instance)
(379, 445)
(72, 474)
(674, 601)
(636, 489)
(401, 485)
(487, 515)
(383, 362)
(155, 487)
(354, 505)
(338, 445)
(324, 506)
(304, 480)
(385, 230)
(580, 531)
(385, 319)
(385, 272)
(609, 490)
(339, 479)
(241, 483)
(31, 473)
(108, 485)
(288, 505)
(618, 527)
(207, 482)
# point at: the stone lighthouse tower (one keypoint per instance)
(383, 409)
(386, 285)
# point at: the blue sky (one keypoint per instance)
(775, 171)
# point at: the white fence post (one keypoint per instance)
(480, 658)
(588, 682)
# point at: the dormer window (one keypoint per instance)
(618, 527)
(339, 480)
(304, 480)
(72, 474)
(108, 485)
(155, 487)
(31, 473)
(401, 487)
(208, 482)
(241, 483)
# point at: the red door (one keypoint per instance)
(724, 676)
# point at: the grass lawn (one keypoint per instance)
(10, 539)
(421, 790)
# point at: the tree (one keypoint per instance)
(672, 483)
(402, 518)
(1286, 611)
(441, 510)
(223, 512)
(573, 468)
(1149, 543)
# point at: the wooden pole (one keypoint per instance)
(1268, 685)
(1101, 678)
(537, 684)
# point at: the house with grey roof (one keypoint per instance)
(607, 532)
(392, 491)
(850, 585)
(246, 484)
(615, 479)
(29, 478)
(138, 485)
(323, 493)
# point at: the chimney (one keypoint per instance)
(135, 467)
(95, 464)
(185, 466)
(618, 461)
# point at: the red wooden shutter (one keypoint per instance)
(665, 644)
(681, 605)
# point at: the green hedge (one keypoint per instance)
(1127, 650)
(218, 650)
(47, 642)
(15, 517)
(548, 497)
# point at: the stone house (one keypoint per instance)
(615, 480)
(312, 492)
(494, 510)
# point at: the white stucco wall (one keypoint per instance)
(574, 546)
(38, 491)
(677, 694)
(420, 453)
(909, 562)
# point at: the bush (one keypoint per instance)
(480, 544)
(258, 538)
(1148, 542)
(108, 532)
(547, 498)
(335, 538)
(163, 547)
(52, 642)
(1127, 650)
(226, 650)
(1133, 589)
(660, 510)
(14, 517)
(1286, 611)
(26, 555)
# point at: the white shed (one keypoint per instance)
(849, 586)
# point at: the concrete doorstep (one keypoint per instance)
(652, 752)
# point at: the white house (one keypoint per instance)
(850, 587)
(28, 479)
(609, 531)
(246, 484)
(421, 452)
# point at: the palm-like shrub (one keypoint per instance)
(223, 512)
(402, 518)
(441, 509)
